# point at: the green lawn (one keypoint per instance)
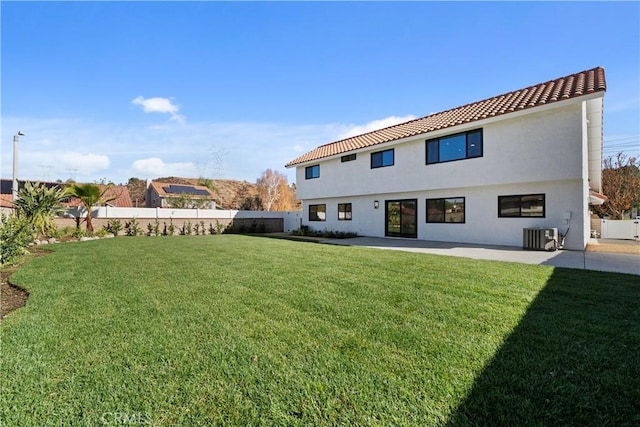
(236, 330)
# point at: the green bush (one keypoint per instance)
(132, 228)
(114, 226)
(16, 233)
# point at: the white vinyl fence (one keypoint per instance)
(291, 219)
(620, 229)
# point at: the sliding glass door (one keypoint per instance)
(401, 217)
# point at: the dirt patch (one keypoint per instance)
(13, 297)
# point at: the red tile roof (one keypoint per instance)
(6, 201)
(120, 192)
(572, 86)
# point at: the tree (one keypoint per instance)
(39, 204)
(271, 188)
(621, 185)
(90, 195)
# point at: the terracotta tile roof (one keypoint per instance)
(572, 86)
(159, 187)
(6, 201)
(120, 192)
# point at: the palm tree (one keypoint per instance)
(39, 205)
(90, 195)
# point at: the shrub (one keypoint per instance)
(156, 227)
(16, 233)
(38, 205)
(203, 230)
(172, 228)
(197, 228)
(114, 226)
(132, 228)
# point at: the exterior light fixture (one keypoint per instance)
(376, 204)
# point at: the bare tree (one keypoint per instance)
(621, 185)
(270, 188)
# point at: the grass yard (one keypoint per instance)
(237, 330)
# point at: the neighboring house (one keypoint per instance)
(165, 195)
(6, 203)
(120, 192)
(479, 173)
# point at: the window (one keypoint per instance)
(525, 206)
(344, 211)
(317, 212)
(446, 210)
(382, 159)
(455, 147)
(348, 158)
(311, 172)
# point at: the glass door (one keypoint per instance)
(401, 217)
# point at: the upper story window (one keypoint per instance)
(464, 145)
(348, 157)
(525, 206)
(311, 172)
(445, 210)
(381, 159)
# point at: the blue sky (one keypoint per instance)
(226, 90)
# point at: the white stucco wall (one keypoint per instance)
(541, 151)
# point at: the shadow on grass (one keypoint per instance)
(574, 358)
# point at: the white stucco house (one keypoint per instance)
(479, 173)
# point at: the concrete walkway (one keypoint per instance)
(584, 260)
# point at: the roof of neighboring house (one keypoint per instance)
(6, 185)
(6, 201)
(165, 189)
(572, 86)
(120, 192)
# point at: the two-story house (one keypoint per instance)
(479, 173)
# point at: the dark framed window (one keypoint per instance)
(521, 206)
(449, 210)
(311, 172)
(344, 211)
(317, 212)
(381, 159)
(348, 158)
(460, 146)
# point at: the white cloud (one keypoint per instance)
(62, 163)
(160, 105)
(354, 130)
(155, 167)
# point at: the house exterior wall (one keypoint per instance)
(543, 150)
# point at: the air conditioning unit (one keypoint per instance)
(540, 239)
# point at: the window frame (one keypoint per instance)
(348, 158)
(543, 196)
(381, 154)
(308, 172)
(444, 210)
(438, 140)
(348, 214)
(314, 208)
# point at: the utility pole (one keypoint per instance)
(14, 186)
